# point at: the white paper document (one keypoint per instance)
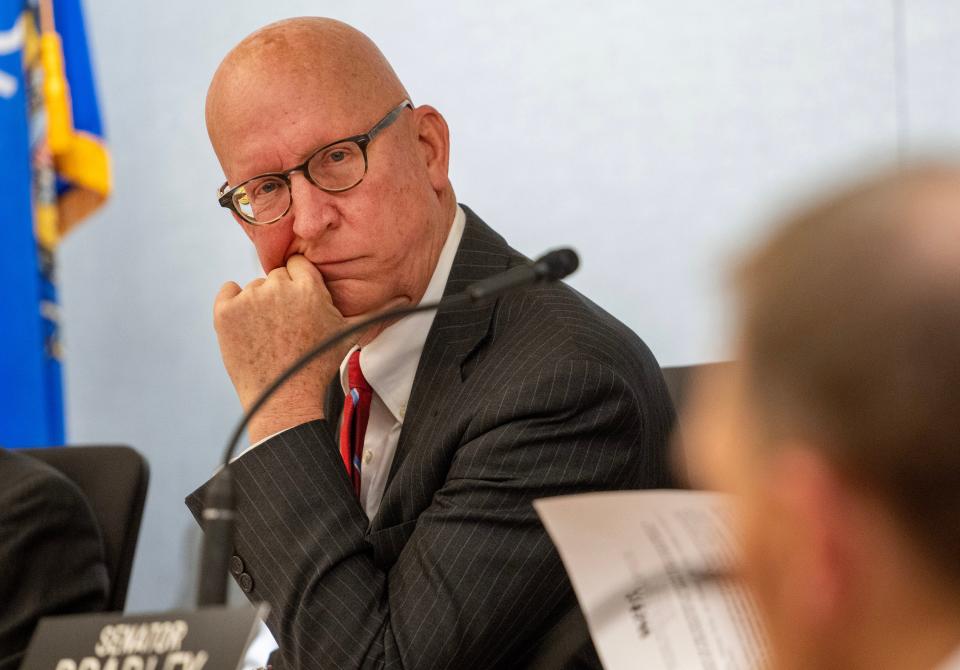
(651, 571)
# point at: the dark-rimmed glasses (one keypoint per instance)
(334, 167)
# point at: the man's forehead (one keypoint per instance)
(249, 88)
(296, 115)
(280, 136)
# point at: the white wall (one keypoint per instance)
(656, 137)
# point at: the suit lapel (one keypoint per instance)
(456, 333)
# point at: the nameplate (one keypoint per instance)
(209, 639)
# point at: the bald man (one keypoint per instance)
(839, 429)
(385, 508)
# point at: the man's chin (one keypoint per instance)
(346, 303)
(351, 300)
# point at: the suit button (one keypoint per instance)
(236, 565)
(246, 582)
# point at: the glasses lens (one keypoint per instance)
(262, 200)
(338, 167)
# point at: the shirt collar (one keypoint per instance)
(390, 361)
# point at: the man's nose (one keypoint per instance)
(313, 210)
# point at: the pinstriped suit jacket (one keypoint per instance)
(540, 393)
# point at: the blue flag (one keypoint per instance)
(55, 170)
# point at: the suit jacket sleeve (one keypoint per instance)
(478, 580)
(50, 550)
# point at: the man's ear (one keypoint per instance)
(820, 517)
(433, 137)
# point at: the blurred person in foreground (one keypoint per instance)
(384, 508)
(839, 428)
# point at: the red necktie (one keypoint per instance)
(353, 426)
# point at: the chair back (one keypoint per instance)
(114, 480)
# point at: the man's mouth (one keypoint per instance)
(343, 268)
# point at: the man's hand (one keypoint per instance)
(265, 327)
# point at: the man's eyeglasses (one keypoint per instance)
(335, 167)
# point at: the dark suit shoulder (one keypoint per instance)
(582, 329)
(590, 333)
(50, 549)
(30, 486)
(533, 329)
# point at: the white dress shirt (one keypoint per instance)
(389, 364)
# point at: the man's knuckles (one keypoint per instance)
(227, 291)
(278, 274)
(276, 306)
(259, 281)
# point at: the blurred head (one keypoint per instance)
(839, 429)
(297, 85)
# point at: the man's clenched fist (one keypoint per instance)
(265, 327)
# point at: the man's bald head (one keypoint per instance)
(337, 65)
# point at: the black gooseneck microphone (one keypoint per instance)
(219, 505)
(551, 266)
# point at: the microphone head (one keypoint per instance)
(557, 264)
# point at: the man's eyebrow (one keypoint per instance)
(280, 168)
(301, 157)
(339, 138)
